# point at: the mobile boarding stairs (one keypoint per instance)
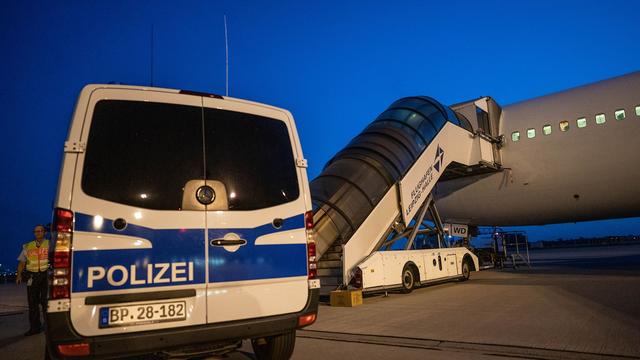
(377, 190)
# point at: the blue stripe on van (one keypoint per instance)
(171, 246)
(251, 262)
(84, 222)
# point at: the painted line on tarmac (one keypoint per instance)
(497, 350)
(8, 310)
(10, 313)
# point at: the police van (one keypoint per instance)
(182, 225)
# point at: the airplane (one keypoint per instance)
(569, 156)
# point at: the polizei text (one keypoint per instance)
(162, 273)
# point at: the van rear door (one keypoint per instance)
(139, 253)
(256, 233)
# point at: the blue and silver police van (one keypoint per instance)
(182, 225)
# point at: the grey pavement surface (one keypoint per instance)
(573, 304)
(13, 298)
(579, 300)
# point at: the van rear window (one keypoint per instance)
(143, 153)
(252, 156)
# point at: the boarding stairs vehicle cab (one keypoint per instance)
(376, 195)
(175, 232)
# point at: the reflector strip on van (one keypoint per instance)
(79, 349)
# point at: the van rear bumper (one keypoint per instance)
(59, 331)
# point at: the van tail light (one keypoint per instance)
(311, 246)
(63, 220)
(308, 220)
(311, 256)
(306, 320)
(79, 349)
(63, 235)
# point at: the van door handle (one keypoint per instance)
(225, 242)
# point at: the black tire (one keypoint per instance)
(408, 279)
(466, 270)
(276, 347)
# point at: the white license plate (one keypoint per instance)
(142, 314)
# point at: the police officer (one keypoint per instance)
(35, 256)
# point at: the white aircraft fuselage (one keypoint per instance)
(587, 172)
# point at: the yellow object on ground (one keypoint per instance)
(347, 298)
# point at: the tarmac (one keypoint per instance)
(581, 303)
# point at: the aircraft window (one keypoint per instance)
(564, 125)
(600, 119)
(638, 110)
(531, 133)
(546, 129)
(619, 114)
(582, 122)
(515, 136)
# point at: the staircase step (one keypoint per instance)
(330, 280)
(330, 272)
(331, 256)
(326, 264)
(335, 248)
(326, 290)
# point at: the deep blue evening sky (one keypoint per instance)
(334, 64)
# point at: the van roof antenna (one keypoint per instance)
(226, 57)
(151, 55)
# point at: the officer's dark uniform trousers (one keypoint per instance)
(37, 295)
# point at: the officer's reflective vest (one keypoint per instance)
(37, 257)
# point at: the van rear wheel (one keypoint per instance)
(277, 347)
